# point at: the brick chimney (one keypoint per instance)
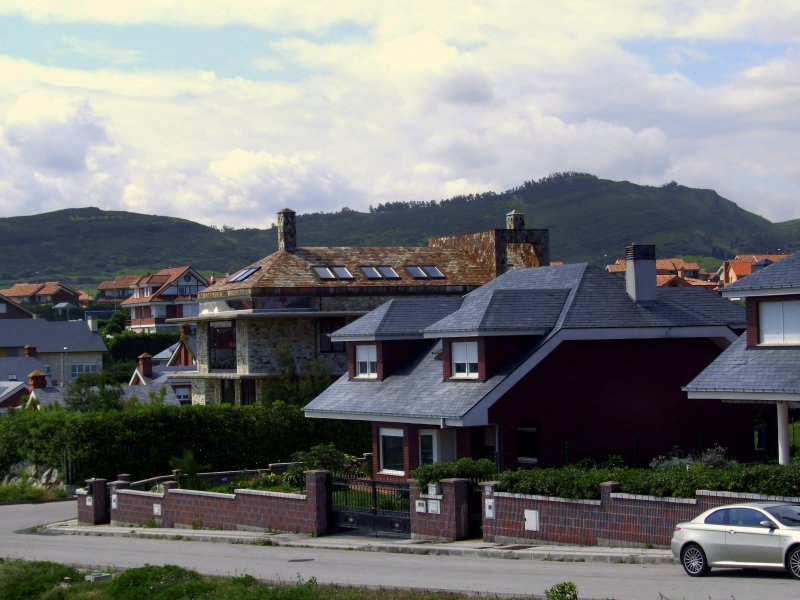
(640, 272)
(30, 351)
(682, 272)
(515, 220)
(146, 364)
(287, 230)
(37, 380)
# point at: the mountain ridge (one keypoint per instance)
(590, 220)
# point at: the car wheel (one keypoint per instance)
(694, 560)
(793, 562)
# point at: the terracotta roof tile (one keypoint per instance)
(22, 289)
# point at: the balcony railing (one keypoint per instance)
(222, 358)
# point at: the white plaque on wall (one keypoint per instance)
(421, 506)
(157, 510)
(489, 508)
(531, 520)
(89, 500)
(113, 501)
(434, 507)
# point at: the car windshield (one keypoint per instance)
(787, 514)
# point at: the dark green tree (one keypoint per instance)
(91, 392)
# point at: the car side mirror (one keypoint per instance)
(767, 523)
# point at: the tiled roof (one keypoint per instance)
(740, 369)
(52, 287)
(577, 296)
(399, 317)
(754, 258)
(49, 336)
(294, 269)
(20, 290)
(19, 367)
(779, 275)
(163, 279)
(663, 265)
(123, 281)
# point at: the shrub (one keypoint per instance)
(20, 579)
(466, 468)
(164, 582)
(566, 590)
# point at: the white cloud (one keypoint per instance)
(435, 99)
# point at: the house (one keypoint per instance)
(9, 309)
(541, 366)
(116, 290)
(672, 272)
(742, 265)
(12, 393)
(168, 369)
(169, 294)
(290, 301)
(49, 293)
(67, 348)
(14, 377)
(761, 367)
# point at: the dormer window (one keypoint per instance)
(779, 322)
(367, 361)
(464, 356)
(424, 272)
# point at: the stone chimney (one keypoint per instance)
(515, 220)
(30, 351)
(640, 272)
(146, 364)
(37, 380)
(287, 231)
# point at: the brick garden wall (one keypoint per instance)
(614, 520)
(445, 516)
(243, 510)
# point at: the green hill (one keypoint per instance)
(590, 219)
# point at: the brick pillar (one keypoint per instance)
(123, 482)
(317, 484)
(92, 502)
(446, 516)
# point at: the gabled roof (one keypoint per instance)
(575, 302)
(164, 279)
(8, 391)
(121, 282)
(781, 276)
(22, 290)
(52, 287)
(294, 270)
(664, 266)
(17, 368)
(50, 336)
(15, 304)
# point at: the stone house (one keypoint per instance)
(292, 300)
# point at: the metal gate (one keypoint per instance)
(367, 505)
(475, 509)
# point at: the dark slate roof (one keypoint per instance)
(415, 391)
(566, 297)
(399, 317)
(755, 369)
(504, 310)
(19, 367)
(50, 336)
(781, 274)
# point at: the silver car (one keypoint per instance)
(754, 535)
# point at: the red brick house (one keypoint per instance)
(761, 368)
(541, 367)
(49, 293)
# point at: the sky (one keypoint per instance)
(226, 112)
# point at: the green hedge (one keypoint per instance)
(465, 468)
(573, 482)
(142, 441)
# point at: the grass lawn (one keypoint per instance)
(26, 580)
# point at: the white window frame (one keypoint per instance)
(464, 360)
(388, 432)
(779, 323)
(366, 361)
(433, 433)
(77, 369)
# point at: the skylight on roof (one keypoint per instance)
(324, 273)
(242, 275)
(342, 272)
(371, 272)
(388, 272)
(379, 272)
(424, 272)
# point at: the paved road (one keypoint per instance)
(517, 577)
